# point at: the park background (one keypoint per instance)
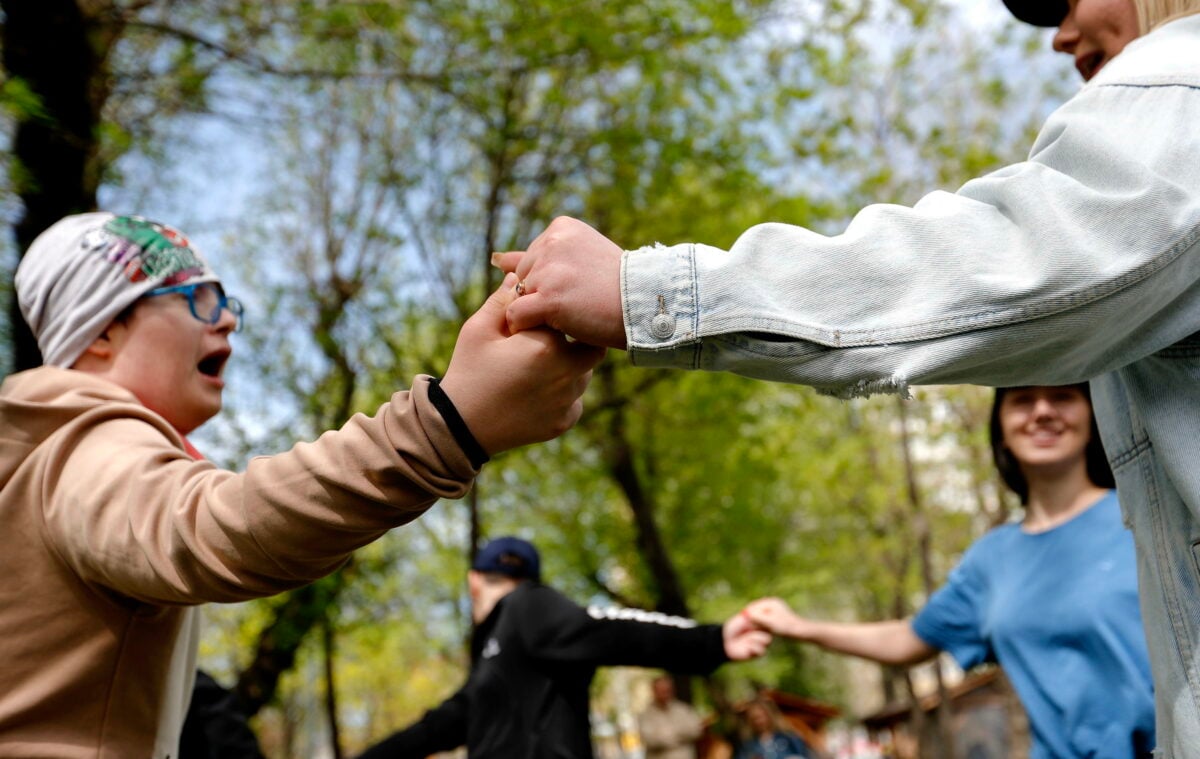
(349, 166)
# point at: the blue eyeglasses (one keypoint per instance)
(206, 301)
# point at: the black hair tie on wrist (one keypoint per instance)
(462, 433)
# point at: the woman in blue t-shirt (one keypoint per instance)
(1052, 599)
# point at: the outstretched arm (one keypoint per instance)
(163, 527)
(596, 636)
(890, 642)
(1029, 275)
(441, 729)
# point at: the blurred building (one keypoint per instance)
(986, 721)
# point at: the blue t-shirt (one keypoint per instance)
(1058, 610)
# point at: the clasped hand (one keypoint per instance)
(570, 280)
(513, 389)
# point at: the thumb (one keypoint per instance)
(493, 309)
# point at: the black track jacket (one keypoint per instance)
(532, 661)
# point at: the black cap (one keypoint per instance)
(1039, 12)
(509, 556)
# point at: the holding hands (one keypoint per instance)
(743, 639)
(890, 642)
(570, 280)
(513, 389)
(777, 618)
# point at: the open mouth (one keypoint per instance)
(212, 364)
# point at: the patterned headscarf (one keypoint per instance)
(83, 271)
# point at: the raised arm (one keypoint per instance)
(130, 510)
(890, 642)
(1029, 275)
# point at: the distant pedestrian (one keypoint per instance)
(669, 727)
(767, 737)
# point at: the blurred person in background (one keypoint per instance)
(533, 655)
(767, 736)
(669, 727)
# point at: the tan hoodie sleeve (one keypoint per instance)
(129, 510)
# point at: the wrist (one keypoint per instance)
(798, 629)
(458, 426)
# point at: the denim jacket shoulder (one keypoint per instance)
(1049, 271)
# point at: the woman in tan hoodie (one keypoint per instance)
(114, 529)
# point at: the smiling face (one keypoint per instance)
(1046, 427)
(1095, 31)
(170, 360)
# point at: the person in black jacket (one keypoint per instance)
(216, 727)
(533, 655)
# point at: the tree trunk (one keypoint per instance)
(475, 521)
(277, 644)
(331, 711)
(619, 460)
(61, 56)
(621, 466)
(917, 717)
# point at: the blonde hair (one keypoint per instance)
(1154, 13)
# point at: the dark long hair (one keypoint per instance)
(1098, 470)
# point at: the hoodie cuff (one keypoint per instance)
(458, 427)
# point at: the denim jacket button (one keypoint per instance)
(662, 326)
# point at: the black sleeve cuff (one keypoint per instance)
(458, 427)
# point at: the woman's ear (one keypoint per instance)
(102, 350)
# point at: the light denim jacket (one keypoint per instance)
(1081, 262)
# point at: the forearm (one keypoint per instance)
(856, 356)
(1030, 263)
(442, 728)
(698, 650)
(156, 526)
(890, 642)
(415, 742)
(613, 636)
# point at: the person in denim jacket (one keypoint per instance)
(1080, 263)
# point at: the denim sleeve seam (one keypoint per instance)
(695, 315)
(1140, 445)
(952, 325)
(1153, 84)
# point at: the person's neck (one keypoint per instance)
(489, 597)
(1056, 498)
